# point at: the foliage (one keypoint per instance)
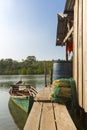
(26, 67)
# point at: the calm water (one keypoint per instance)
(11, 117)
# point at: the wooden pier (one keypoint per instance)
(46, 115)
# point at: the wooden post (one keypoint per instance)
(45, 74)
(66, 53)
(51, 77)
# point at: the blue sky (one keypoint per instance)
(28, 27)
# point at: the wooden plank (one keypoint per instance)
(85, 55)
(49, 116)
(68, 34)
(75, 41)
(34, 117)
(63, 119)
(79, 53)
(47, 119)
(43, 95)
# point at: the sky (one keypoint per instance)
(28, 28)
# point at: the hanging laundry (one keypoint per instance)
(70, 47)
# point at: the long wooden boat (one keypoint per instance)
(22, 94)
(21, 90)
(19, 115)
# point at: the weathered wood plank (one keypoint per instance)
(47, 119)
(84, 55)
(48, 116)
(75, 41)
(79, 53)
(43, 95)
(63, 119)
(34, 117)
(68, 34)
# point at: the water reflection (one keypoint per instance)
(6, 121)
(37, 81)
(18, 115)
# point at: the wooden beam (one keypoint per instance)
(68, 34)
(66, 53)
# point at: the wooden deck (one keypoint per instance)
(46, 115)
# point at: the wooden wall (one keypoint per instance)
(85, 54)
(80, 51)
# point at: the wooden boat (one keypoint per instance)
(22, 90)
(19, 116)
(22, 94)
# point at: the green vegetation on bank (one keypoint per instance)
(26, 67)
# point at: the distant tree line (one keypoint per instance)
(26, 67)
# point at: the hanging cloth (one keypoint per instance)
(70, 47)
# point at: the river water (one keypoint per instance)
(11, 117)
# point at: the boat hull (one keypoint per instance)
(24, 103)
(19, 116)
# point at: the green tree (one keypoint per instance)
(28, 66)
(31, 58)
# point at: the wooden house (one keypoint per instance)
(72, 29)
